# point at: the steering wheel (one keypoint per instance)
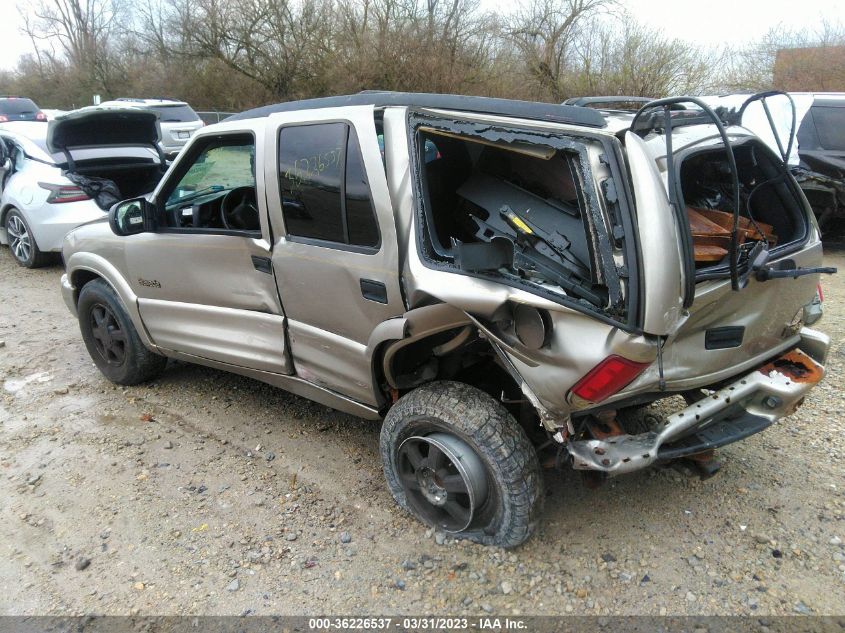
(239, 210)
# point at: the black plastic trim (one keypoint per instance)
(262, 264)
(724, 337)
(718, 434)
(373, 290)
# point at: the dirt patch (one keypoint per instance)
(208, 493)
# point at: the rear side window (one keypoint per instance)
(17, 106)
(175, 114)
(830, 126)
(323, 185)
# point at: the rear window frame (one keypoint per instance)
(626, 284)
(325, 243)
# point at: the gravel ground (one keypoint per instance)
(207, 493)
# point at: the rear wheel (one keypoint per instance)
(457, 460)
(22, 243)
(111, 339)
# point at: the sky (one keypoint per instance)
(709, 23)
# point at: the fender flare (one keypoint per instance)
(392, 335)
(105, 270)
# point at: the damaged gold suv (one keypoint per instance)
(490, 278)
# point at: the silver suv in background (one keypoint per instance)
(177, 119)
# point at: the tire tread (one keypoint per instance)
(498, 438)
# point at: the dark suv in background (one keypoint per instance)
(821, 148)
(19, 109)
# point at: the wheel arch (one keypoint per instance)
(425, 334)
(83, 268)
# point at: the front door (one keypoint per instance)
(203, 278)
(335, 256)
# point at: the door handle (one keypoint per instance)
(262, 264)
(373, 290)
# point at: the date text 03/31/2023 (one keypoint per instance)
(417, 623)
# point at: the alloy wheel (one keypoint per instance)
(443, 479)
(19, 240)
(109, 338)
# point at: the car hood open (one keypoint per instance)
(103, 127)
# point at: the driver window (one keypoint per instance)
(215, 191)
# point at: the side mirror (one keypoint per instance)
(129, 217)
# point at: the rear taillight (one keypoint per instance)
(63, 193)
(40, 116)
(608, 377)
(3, 118)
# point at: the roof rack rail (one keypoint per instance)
(485, 105)
(142, 100)
(601, 100)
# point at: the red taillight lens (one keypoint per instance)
(3, 118)
(40, 116)
(63, 193)
(608, 377)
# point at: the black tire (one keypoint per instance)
(509, 512)
(22, 242)
(111, 339)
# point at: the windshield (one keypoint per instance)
(217, 168)
(175, 113)
(13, 105)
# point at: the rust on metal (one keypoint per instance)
(796, 366)
(703, 456)
(605, 425)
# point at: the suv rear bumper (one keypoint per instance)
(742, 408)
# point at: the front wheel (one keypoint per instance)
(457, 460)
(111, 339)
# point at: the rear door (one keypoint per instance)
(722, 331)
(335, 255)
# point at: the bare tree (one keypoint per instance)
(630, 58)
(820, 68)
(78, 34)
(544, 32)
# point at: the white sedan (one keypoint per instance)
(44, 193)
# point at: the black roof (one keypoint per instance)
(485, 105)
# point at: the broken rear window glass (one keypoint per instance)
(511, 208)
